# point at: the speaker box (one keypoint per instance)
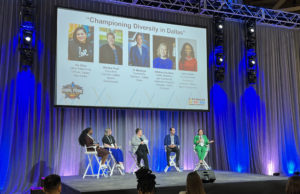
(207, 176)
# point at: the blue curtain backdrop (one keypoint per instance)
(255, 128)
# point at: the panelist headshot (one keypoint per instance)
(80, 47)
(139, 144)
(139, 53)
(110, 53)
(201, 144)
(110, 144)
(164, 52)
(187, 60)
(172, 143)
(162, 61)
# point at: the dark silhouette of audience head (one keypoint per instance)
(52, 184)
(146, 181)
(194, 184)
(293, 185)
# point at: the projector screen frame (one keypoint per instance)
(129, 17)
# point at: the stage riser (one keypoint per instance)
(267, 187)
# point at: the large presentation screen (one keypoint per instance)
(109, 61)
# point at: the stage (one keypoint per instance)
(173, 182)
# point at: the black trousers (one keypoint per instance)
(141, 153)
(177, 151)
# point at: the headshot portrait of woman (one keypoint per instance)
(81, 47)
(139, 53)
(110, 52)
(187, 61)
(162, 61)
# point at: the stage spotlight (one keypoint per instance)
(251, 76)
(220, 58)
(27, 38)
(219, 24)
(276, 174)
(251, 61)
(251, 30)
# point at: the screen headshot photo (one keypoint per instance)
(139, 52)
(187, 53)
(111, 44)
(164, 52)
(81, 43)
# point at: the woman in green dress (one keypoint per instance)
(201, 143)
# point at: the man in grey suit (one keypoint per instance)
(140, 147)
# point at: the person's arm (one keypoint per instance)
(165, 141)
(195, 64)
(181, 66)
(145, 140)
(106, 142)
(135, 141)
(120, 56)
(132, 56)
(114, 141)
(206, 142)
(88, 141)
(178, 141)
(196, 138)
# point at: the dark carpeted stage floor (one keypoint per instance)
(173, 182)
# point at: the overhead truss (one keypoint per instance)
(223, 8)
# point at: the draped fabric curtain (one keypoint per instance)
(255, 127)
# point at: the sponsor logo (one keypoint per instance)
(197, 101)
(72, 90)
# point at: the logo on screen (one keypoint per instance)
(72, 90)
(196, 101)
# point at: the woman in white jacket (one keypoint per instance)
(140, 147)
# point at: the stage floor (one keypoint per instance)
(173, 182)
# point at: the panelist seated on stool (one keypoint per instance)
(110, 144)
(172, 144)
(201, 143)
(139, 144)
(86, 139)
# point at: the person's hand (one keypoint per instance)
(96, 144)
(198, 141)
(212, 141)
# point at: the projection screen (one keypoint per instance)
(109, 61)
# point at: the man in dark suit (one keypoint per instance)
(172, 145)
(111, 53)
(139, 54)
